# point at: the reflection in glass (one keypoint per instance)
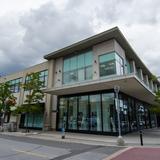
(72, 113)
(107, 64)
(110, 64)
(78, 67)
(83, 113)
(95, 113)
(89, 73)
(62, 113)
(108, 109)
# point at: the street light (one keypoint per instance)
(120, 140)
(140, 112)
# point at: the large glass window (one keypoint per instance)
(35, 120)
(109, 113)
(129, 66)
(83, 113)
(62, 113)
(95, 113)
(43, 77)
(78, 68)
(15, 85)
(110, 64)
(72, 113)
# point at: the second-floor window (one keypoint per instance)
(15, 85)
(78, 68)
(43, 76)
(111, 64)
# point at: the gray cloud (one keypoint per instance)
(129, 12)
(44, 30)
(26, 38)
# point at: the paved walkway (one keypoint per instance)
(136, 154)
(133, 151)
(150, 137)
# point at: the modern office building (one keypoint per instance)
(80, 81)
(38, 120)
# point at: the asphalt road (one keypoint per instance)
(24, 148)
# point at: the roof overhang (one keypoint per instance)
(129, 85)
(113, 33)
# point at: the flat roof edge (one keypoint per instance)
(51, 55)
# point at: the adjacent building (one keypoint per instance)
(79, 87)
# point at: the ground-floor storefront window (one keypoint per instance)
(33, 120)
(96, 113)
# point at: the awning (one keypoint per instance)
(129, 84)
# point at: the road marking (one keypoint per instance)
(32, 153)
(117, 153)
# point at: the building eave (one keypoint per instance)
(113, 33)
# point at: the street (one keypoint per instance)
(24, 148)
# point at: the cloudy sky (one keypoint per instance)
(29, 29)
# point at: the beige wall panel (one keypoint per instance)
(58, 72)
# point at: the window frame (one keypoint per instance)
(77, 68)
(115, 64)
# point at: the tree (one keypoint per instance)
(6, 100)
(156, 108)
(33, 97)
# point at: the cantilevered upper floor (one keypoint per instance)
(99, 63)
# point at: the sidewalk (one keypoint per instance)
(150, 137)
(136, 153)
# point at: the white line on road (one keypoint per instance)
(32, 153)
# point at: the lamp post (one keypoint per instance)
(140, 112)
(120, 140)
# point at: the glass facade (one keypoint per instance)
(83, 113)
(111, 64)
(34, 120)
(72, 113)
(78, 68)
(15, 85)
(96, 112)
(109, 112)
(43, 76)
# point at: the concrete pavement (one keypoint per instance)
(78, 146)
(150, 137)
(27, 148)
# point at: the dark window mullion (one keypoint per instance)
(77, 111)
(89, 112)
(101, 112)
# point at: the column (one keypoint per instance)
(133, 67)
(48, 97)
(146, 80)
